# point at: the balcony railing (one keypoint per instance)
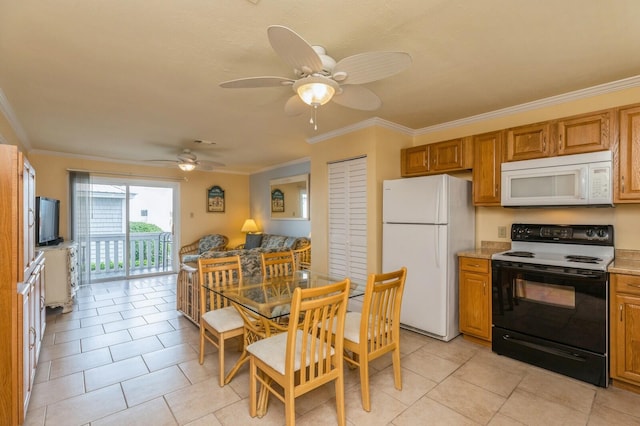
(149, 252)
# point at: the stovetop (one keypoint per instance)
(575, 246)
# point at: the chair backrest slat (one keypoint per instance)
(380, 320)
(278, 264)
(217, 273)
(315, 313)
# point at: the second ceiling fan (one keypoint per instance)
(320, 79)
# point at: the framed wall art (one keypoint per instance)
(215, 199)
(277, 201)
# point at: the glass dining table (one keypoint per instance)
(264, 304)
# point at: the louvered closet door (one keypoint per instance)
(348, 219)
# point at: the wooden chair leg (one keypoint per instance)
(342, 417)
(201, 359)
(253, 401)
(364, 383)
(221, 359)
(289, 407)
(397, 372)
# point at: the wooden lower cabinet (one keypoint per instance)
(31, 317)
(475, 299)
(625, 331)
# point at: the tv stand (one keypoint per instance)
(62, 275)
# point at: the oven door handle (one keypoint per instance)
(565, 354)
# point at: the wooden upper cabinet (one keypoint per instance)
(450, 155)
(440, 157)
(528, 142)
(584, 133)
(415, 161)
(487, 157)
(626, 171)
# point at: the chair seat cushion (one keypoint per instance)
(352, 327)
(272, 351)
(224, 319)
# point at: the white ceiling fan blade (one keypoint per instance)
(370, 66)
(165, 162)
(208, 165)
(295, 106)
(252, 82)
(293, 49)
(357, 97)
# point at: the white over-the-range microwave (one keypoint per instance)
(568, 180)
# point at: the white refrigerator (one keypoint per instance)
(426, 221)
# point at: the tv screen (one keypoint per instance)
(47, 217)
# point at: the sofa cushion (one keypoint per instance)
(213, 241)
(253, 241)
(190, 258)
(273, 241)
(290, 242)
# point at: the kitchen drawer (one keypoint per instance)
(473, 264)
(627, 283)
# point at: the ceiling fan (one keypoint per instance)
(319, 78)
(188, 161)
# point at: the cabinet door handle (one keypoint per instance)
(544, 143)
(560, 142)
(484, 288)
(32, 332)
(620, 308)
(622, 178)
(633, 285)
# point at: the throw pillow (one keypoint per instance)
(253, 241)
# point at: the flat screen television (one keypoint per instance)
(47, 221)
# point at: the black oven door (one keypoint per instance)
(563, 305)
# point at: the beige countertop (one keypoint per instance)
(626, 262)
(487, 248)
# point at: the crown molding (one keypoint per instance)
(119, 161)
(601, 89)
(375, 121)
(7, 111)
(278, 166)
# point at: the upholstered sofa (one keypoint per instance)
(250, 252)
(214, 242)
(188, 300)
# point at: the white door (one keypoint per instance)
(422, 249)
(348, 219)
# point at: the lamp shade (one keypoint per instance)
(315, 90)
(249, 226)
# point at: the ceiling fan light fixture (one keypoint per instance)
(186, 167)
(315, 90)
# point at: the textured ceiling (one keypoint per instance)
(138, 79)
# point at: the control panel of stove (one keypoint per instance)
(570, 234)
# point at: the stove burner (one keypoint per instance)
(583, 259)
(519, 254)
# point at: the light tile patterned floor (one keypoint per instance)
(125, 356)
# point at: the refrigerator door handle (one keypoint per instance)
(436, 244)
(438, 189)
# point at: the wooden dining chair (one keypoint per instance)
(219, 321)
(376, 330)
(304, 358)
(278, 264)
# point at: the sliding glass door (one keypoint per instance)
(130, 228)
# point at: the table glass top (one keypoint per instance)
(271, 298)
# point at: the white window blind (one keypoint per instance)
(348, 219)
